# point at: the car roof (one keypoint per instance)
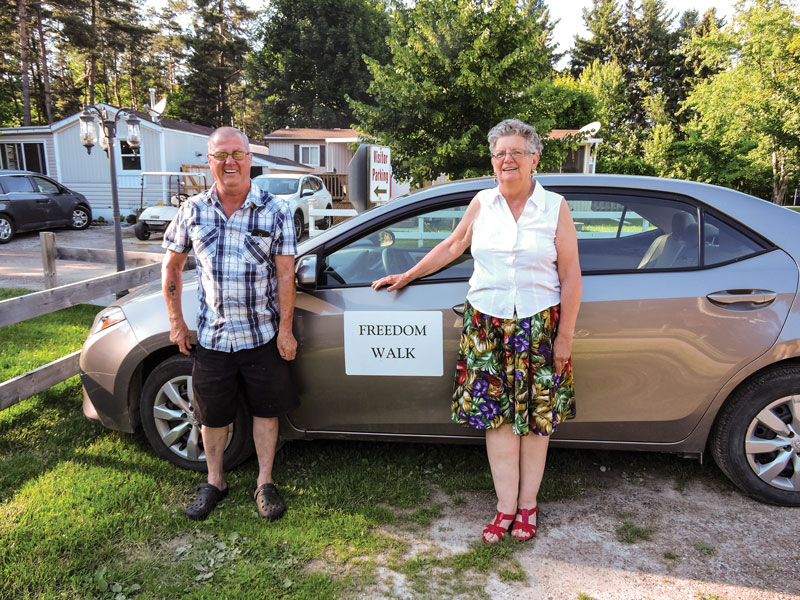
(281, 175)
(776, 223)
(18, 172)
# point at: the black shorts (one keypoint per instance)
(259, 377)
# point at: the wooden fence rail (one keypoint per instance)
(31, 383)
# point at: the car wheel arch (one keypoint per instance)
(751, 396)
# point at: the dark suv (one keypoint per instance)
(30, 201)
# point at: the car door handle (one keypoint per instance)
(755, 297)
(459, 310)
(45, 201)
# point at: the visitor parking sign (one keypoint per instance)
(380, 174)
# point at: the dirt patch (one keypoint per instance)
(706, 541)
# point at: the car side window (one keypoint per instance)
(722, 243)
(17, 183)
(306, 186)
(316, 184)
(46, 186)
(629, 233)
(395, 248)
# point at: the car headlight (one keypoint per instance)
(107, 318)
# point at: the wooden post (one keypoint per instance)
(47, 239)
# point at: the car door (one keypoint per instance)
(28, 207)
(410, 336)
(61, 201)
(676, 299)
(305, 193)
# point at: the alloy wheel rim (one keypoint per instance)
(5, 229)
(772, 444)
(175, 421)
(79, 218)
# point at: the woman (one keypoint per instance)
(514, 372)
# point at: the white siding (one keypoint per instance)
(282, 149)
(337, 157)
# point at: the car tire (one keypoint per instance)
(6, 229)
(324, 222)
(298, 224)
(141, 231)
(173, 431)
(756, 436)
(81, 218)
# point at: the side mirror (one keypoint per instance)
(306, 193)
(386, 238)
(306, 272)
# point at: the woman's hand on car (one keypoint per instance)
(395, 282)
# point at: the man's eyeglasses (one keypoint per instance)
(236, 154)
(515, 154)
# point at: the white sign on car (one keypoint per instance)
(404, 343)
(380, 174)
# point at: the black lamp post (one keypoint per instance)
(108, 136)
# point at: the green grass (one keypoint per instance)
(705, 549)
(38, 341)
(630, 533)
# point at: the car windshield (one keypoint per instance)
(278, 185)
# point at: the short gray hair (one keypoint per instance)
(515, 127)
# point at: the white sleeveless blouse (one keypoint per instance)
(515, 261)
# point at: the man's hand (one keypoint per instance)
(179, 334)
(287, 345)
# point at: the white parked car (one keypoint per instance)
(297, 190)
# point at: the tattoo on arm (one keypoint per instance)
(172, 287)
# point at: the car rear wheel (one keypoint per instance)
(169, 423)
(756, 438)
(142, 231)
(80, 218)
(298, 224)
(6, 229)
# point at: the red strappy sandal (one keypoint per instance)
(524, 523)
(494, 528)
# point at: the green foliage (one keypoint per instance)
(310, 60)
(745, 118)
(457, 68)
(217, 47)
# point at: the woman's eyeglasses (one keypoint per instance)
(236, 154)
(515, 154)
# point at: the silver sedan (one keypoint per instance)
(688, 338)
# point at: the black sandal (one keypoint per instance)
(270, 505)
(205, 501)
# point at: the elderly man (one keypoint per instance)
(244, 244)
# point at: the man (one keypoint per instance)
(244, 244)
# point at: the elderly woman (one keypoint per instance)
(514, 372)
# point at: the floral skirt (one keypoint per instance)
(505, 374)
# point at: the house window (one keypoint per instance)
(23, 156)
(309, 155)
(131, 159)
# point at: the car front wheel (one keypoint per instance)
(756, 438)
(80, 218)
(6, 229)
(169, 423)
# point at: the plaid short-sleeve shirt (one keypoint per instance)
(238, 285)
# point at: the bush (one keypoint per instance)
(130, 219)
